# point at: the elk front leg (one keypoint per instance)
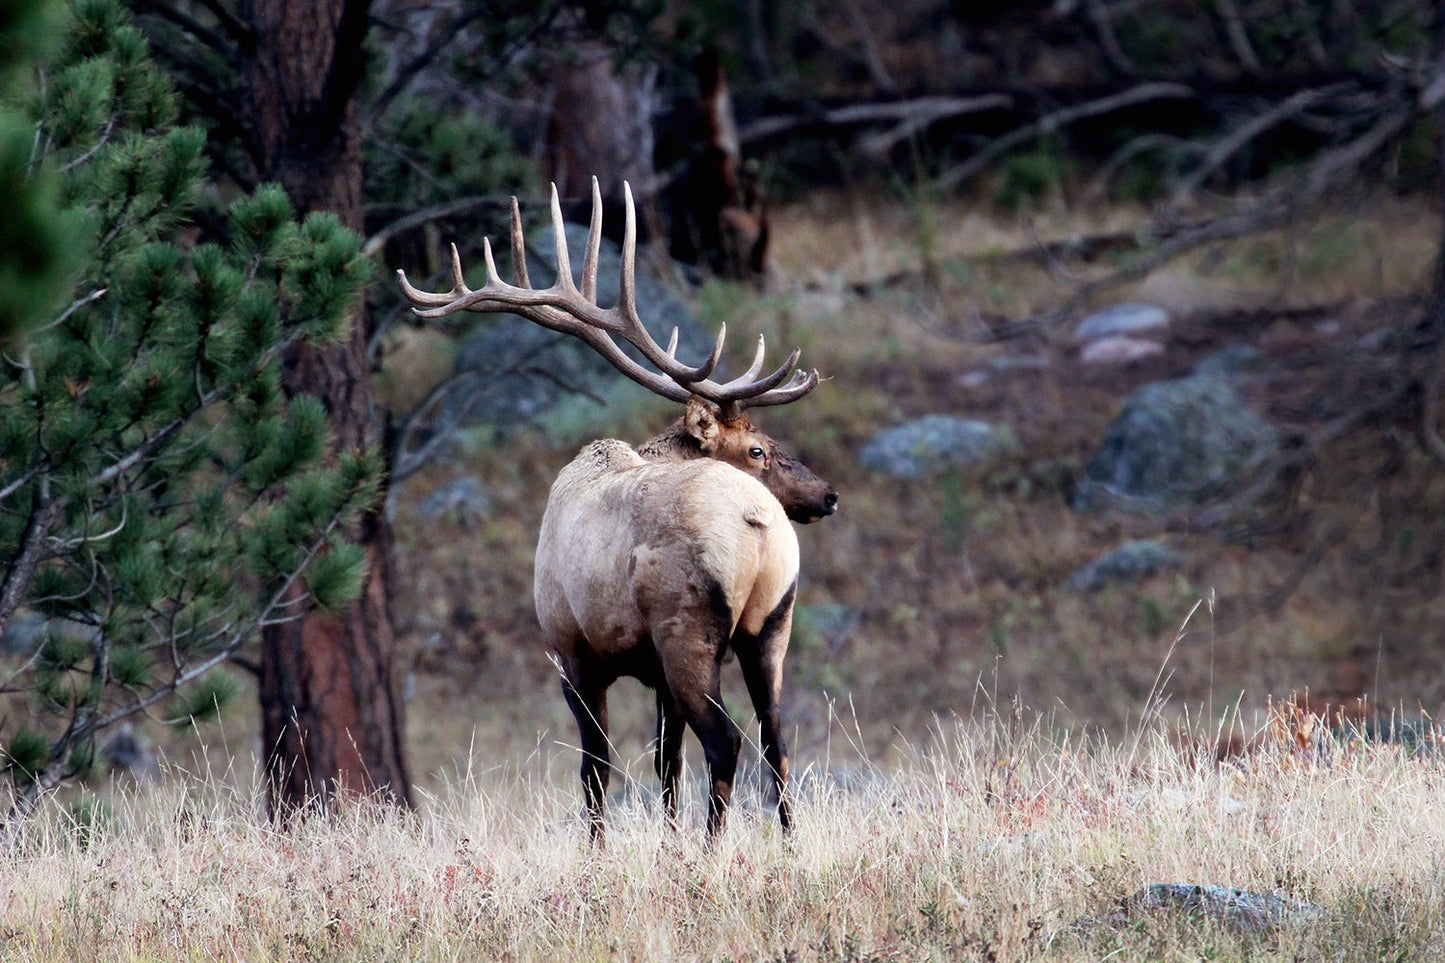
(589, 708)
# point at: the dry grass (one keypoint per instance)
(989, 843)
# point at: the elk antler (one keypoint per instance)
(563, 307)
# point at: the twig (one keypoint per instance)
(1141, 94)
(425, 216)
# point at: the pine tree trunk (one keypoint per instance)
(331, 712)
(1432, 325)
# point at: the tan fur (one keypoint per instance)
(620, 534)
(655, 569)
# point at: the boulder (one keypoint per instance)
(461, 500)
(1117, 349)
(1175, 443)
(1236, 909)
(1128, 563)
(936, 444)
(1122, 320)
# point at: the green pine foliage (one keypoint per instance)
(35, 240)
(427, 152)
(160, 498)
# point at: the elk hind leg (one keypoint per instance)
(668, 760)
(697, 688)
(761, 660)
(589, 708)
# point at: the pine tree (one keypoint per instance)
(35, 240)
(161, 499)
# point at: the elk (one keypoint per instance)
(655, 562)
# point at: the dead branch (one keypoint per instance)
(427, 215)
(1238, 37)
(1329, 170)
(1056, 120)
(1236, 140)
(1103, 23)
(915, 114)
(872, 59)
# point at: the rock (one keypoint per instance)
(1236, 909)
(1129, 562)
(526, 370)
(28, 631)
(935, 444)
(1122, 319)
(1117, 349)
(1234, 359)
(1020, 362)
(127, 751)
(824, 624)
(1175, 443)
(462, 500)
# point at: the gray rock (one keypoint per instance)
(1129, 562)
(522, 370)
(1175, 443)
(935, 444)
(1236, 909)
(28, 631)
(462, 500)
(128, 751)
(1234, 359)
(1118, 349)
(1122, 319)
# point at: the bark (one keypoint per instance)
(331, 712)
(719, 218)
(32, 543)
(1433, 323)
(600, 124)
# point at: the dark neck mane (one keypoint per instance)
(673, 444)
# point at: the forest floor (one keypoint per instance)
(932, 599)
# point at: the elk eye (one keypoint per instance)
(756, 452)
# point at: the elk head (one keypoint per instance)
(716, 423)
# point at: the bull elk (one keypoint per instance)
(654, 562)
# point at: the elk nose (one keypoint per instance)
(830, 502)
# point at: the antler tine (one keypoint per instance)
(564, 281)
(490, 261)
(519, 249)
(748, 385)
(594, 244)
(438, 298)
(800, 385)
(631, 326)
(756, 367)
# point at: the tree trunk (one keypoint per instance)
(331, 714)
(601, 125)
(719, 219)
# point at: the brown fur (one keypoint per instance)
(654, 563)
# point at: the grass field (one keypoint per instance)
(998, 840)
(939, 815)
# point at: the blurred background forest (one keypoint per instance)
(1130, 314)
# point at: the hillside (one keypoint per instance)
(928, 599)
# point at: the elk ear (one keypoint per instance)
(702, 424)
